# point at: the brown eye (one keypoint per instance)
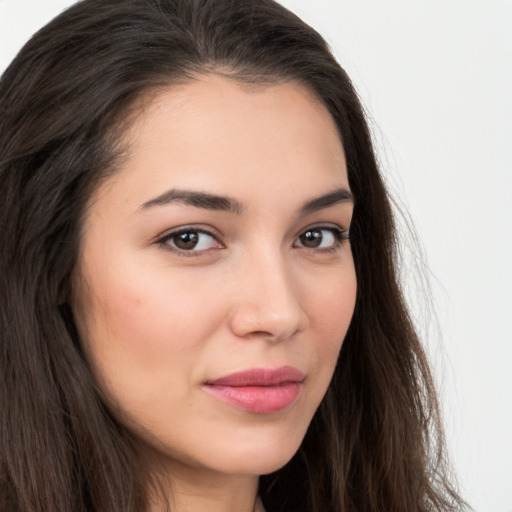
(193, 241)
(321, 238)
(311, 238)
(186, 241)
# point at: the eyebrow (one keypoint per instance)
(197, 199)
(340, 195)
(227, 204)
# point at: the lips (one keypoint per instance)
(258, 390)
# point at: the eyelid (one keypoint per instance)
(340, 234)
(325, 225)
(174, 232)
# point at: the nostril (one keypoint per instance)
(261, 333)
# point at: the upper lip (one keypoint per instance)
(259, 377)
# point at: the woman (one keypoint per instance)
(198, 254)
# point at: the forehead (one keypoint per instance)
(215, 132)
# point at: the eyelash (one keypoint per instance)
(163, 241)
(340, 236)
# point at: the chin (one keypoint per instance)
(259, 455)
(263, 464)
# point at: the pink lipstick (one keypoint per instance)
(259, 390)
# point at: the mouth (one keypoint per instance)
(258, 390)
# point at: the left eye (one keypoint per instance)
(320, 238)
(191, 240)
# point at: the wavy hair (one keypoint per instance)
(375, 443)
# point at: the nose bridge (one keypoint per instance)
(268, 300)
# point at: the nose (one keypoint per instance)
(267, 303)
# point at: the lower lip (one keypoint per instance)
(258, 399)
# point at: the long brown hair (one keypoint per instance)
(375, 444)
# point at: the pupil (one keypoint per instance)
(311, 238)
(186, 240)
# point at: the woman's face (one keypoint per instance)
(216, 282)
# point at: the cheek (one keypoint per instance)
(331, 306)
(143, 334)
(336, 314)
(145, 310)
(331, 299)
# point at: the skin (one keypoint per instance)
(158, 322)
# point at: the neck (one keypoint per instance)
(194, 490)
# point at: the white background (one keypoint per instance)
(436, 79)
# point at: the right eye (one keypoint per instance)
(191, 241)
